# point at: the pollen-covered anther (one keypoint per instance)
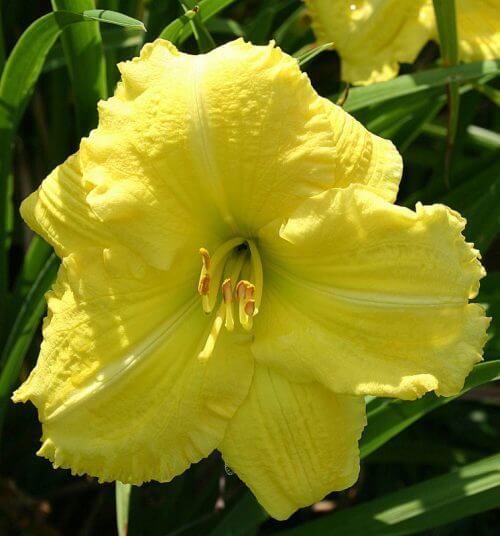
(250, 307)
(205, 258)
(204, 285)
(240, 290)
(227, 291)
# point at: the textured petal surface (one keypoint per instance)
(371, 298)
(374, 36)
(293, 443)
(478, 29)
(226, 141)
(363, 158)
(119, 390)
(234, 136)
(59, 212)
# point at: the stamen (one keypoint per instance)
(205, 258)
(208, 349)
(245, 292)
(250, 307)
(227, 294)
(230, 264)
(240, 290)
(213, 267)
(204, 284)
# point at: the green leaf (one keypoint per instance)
(389, 419)
(308, 55)
(259, 30)
(467, 491)
(489, 296)
(19, 77)
(2, 43)
(478, 200)
(172, 32)
(110, 17)
(23, 330)
(16, 86)
(179, 30)
(447, 29)
(122, 498)
(294, 30)
(86, 63)
(402, 119)
(200, 32)
(242, 519)
(34, 260)
(490, 92)
(361, 97)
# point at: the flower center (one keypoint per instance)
(232, 274)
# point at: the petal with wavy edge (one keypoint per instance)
(293, 443)
(226, 141)
(58, 211)
(478, 24)
(363, 158)
(373, 36)
(118, 387)
(371, 298)
(232, 138)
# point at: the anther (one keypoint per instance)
(250, 307)
(204, 285)
(241, 289)
(205, 258)
(227, 291)
(249, 291)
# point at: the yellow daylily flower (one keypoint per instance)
(374, 36)
(234, 275)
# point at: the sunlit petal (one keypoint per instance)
(293, 443)
(370, 298)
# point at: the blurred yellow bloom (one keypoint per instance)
(374, 36)
(234, 275)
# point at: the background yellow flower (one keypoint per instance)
(374, 36)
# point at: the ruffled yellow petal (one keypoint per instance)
(118, 388)
(293, 443)
(478, 24)
(371, 298)
(363, 158)
(59, 212)
(235, 136)
(373, 36)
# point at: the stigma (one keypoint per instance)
(230, 279)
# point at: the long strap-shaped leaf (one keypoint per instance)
(469, 490)
(447, 28)
(19, 77)
(23, 330)
(86, 62)
(179, 29)
(388, 420)
(362, 97)
(16, 85)
(385, 421)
